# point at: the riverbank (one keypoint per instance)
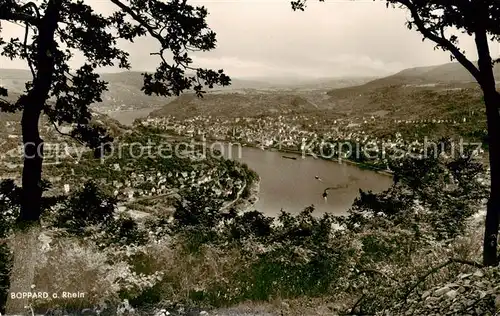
(245, 204)
(340, 161)
(290, 184)
(364, 166)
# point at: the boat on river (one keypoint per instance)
(289, 157)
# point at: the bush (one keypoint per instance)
(85, 208)
(5, 267)
(386, 240)
(9, 209)
(206, 255)
(432, 196)
(122, 231)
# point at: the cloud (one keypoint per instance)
(332, 66)
(239, 67)
(266, 38)
(356, 64)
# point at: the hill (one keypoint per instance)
(235, 105)
(423, 92)
(291, 84)
(407, 93)
(124, 88)
(446, 90)
(10, 124)
(447, 74)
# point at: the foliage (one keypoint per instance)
(473, 293)
(423, 215)
(123, 230)
(10, 201)
(378, 248)
(5, 267)
(207, 255)
(302, 257)
(79, 27)
(85, 208)
(59, 29)
(440, 22)
(196, 217)
(436, 191)
(249, 225)
(9, 195)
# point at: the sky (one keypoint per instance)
(266, 38)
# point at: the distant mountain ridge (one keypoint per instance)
(235, 105)
(124, 88)
(408, 93)
(450, 73)
(280, 83)
(266, 96)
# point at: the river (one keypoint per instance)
(128, 117)
(291, 184)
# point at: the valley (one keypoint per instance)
(366, 124)
(250, 156)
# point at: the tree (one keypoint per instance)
(60, 28)
(437, 20)
(436, 192)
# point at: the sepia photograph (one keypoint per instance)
(249, 157)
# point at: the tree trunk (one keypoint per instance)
(25, 242)
(492, 103)
(25, 245)
(32, 169)
(493, 207)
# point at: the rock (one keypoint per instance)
(478, 274)
(426, 294)
(497, 302)
(441, 291)
(203, 313)
(480, 285)
(451, 294)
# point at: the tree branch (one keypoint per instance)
(139, 19)
(441, 41)
(33, 6)
(358, 301)
(66, 134)
(4, 105)
(11, 11)
(26, 55)
(37, 12)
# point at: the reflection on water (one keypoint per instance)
(128, 117)
(291, 185)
